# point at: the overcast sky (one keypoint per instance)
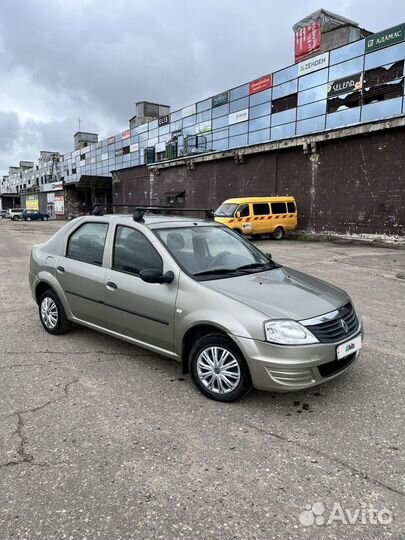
(93, 59)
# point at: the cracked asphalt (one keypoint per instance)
(100, 439)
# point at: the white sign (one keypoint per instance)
(134, 147)
(104, 156)
(188, 111)
(313, 64)
(239, 116)
(160, 147)
(56, 186)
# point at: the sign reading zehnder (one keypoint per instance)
(313, 64)
(345, 85)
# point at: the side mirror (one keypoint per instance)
(151, 275)
(238, 214)
(269, 255)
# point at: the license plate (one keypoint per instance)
(349, 347)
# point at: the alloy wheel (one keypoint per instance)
(49, 313)
(218, 370)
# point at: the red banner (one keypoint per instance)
(126, 134)
(307, 40)
(111, 140)
(260, 84)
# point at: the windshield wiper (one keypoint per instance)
(256, 266)
(218, 271)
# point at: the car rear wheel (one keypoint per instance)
(52, 314)
(218, 368)
(15, 218)
(45, 218)
(278, 233)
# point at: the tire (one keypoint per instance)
(278, 233)
(52, 315)
(15, 218)
(45, 218)
(27, 219)
(235, 385)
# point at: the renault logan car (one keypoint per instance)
(196, 291)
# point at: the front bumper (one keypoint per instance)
(285, 368)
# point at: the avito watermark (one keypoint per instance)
(318, 514)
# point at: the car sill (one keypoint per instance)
(142, 344)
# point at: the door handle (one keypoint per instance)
(111, 285)
(60, 269)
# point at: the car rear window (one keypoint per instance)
(291, 207)
(278, 208)
(86, 244)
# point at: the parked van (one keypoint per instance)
(259, 215)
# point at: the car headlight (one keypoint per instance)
(288, 333)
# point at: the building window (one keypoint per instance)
(346, 101)
(284, 103)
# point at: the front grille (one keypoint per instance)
(331, 368)
(334, 330)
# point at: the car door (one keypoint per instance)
(81, 274)
(260, 219)
(134, 308)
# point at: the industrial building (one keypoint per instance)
(328, 129)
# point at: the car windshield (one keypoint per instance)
(208, 252)
(226, 210)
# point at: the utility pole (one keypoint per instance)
(79, 123)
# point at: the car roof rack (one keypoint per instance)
(140, 210)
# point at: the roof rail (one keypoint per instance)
(141, 209)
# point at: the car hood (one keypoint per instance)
(282, 293)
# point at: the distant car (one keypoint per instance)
(3, 214)
(14, 213)
(31, 215)
(200, 293)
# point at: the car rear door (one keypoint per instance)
(81, 274)
(134, 308)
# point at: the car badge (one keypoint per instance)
(344, 326)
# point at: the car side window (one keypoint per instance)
(244, 210)
(291, 207)
(133, 252)
(278, 208)
(86, 244)
(261, 209)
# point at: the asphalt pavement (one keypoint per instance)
(100, 439)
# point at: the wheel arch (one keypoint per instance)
(192, 335)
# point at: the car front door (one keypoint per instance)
(81, 274)
(134, 308)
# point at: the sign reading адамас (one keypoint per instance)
(385, 38)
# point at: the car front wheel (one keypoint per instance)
(27, 219)
(218, 368)
(52, 314)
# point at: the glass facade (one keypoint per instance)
(353, 85)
